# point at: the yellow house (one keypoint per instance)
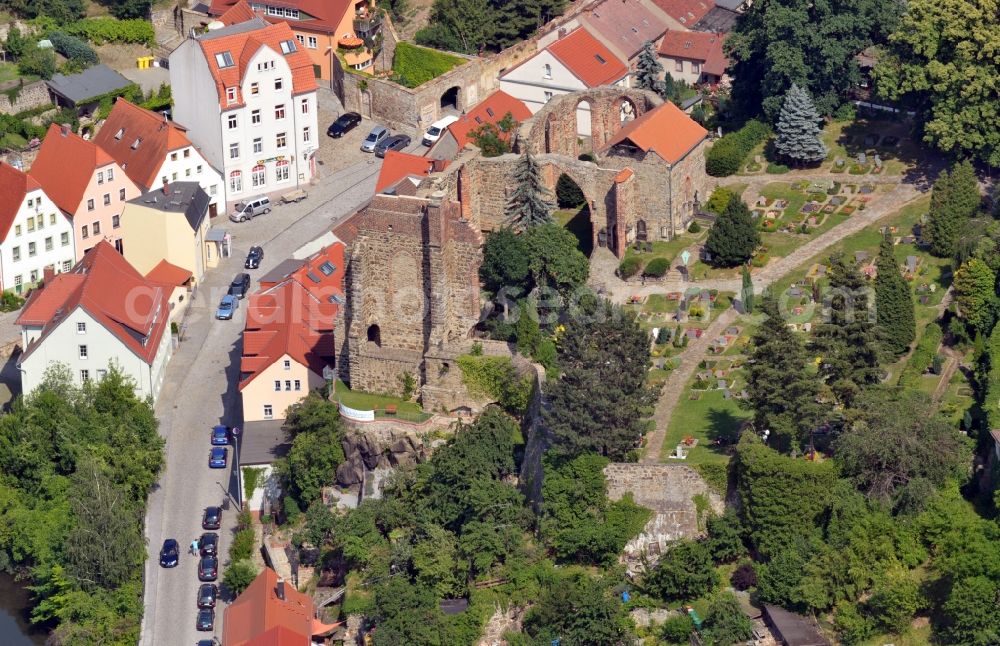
(168, 225)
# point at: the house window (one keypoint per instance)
(287, 46)
(52, 219)
(305, 106)
(279, 111)
(288, 364)
(234, 151)
(97, 228)
(85, 232)
(548, 96)
(224, 59)
(31, 224)
(288, 384)
(281, 171)
(48, 243)
(213, 189)
(187, 153)
(547, 71)
(236, 181)
(230, 95)
(187, 172)
(306, 135)
(64, 239)
(173, 177)
(164, 179)
(678, 66)
(278, 84)
(111, 174)
(258, 145)
(90, 204)
(101, 374)
(173, 156)
(257, 176)
(67, 264)
(695, 68)
(32, 249)
(17, 229)
(33, 276)
(100, 178)
(198, 169)
(280, 140)
(255, 117)
(232, 121)
(120, 134)
(84, 376)
(298, 384)
(41, 221)
(312, 42)
(268, 411)
(298, 37)
(18, 284)
(255, 89)
(121, 195)
(16, 253)
(83, 352)
(277, 385)
(81, 328)
(107, 199)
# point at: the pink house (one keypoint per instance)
(86, 184)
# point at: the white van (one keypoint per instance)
(250, 208)
(437, 129)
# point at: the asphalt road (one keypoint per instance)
(201, 390)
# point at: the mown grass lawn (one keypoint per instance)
(577, 222)
(369, 401)
(708, 418)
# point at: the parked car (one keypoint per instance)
(206, 620)
(254, 257)
(208, 594)
(395, 142)
(250, 208)
(208, 568)
(208, 544)
(220, 435)
(212, 518)
(207, 642)
(437, 129)
(217, 457)
(169, 553)
(344, 124)
(227, 306)
(240, 285)
(374, 138)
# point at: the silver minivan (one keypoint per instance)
(251, 208)
(374, 138)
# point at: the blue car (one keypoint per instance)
(227, 307)
(217, 457)
(220, 435)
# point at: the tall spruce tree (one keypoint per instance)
(733, 238)
(965, 197)
(649, 71)
(797, 133)
(746, 293)
(847, 340)
(954, 200)
(780, 391)
(530, 204)
(896, 322)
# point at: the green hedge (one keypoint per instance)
(495, 377)
(656, 268)
(923, 354)
(629, 267)
(108, 30)
(727, 154)
(413, 66)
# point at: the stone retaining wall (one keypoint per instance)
(30, 96)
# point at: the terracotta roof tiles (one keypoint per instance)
(259, 617)
(490, 110)
(588, 59)
(665, 129)
(697, 46)
(686, 12)
(397, 165)
(14, 187)
(65, 164)
(625, 24)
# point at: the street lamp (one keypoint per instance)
(239, 470)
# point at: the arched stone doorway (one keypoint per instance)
(640, 231)
(574, 212)
(450, 98)
(375, 335)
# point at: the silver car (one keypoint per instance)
(374, 138)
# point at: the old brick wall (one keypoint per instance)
(444, 390)
(29, 97)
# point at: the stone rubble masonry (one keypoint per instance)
(668, 490)
(31, 96)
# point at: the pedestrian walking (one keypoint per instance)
(194, 547)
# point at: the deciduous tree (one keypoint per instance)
(975, 296)
(596, 618)
(685, 572)
(726, 622)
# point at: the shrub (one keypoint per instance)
(495, 377)
(37, 62)
(568, 194)
(663, 336)
(413, 66)
(657, 268)
(695, 227)
(629, 267)
(846, 112)
(243, 544)
(292, 511)
(833, 190)
(239, 576)
(108, 30)
(744, 576)
(719, 200)
(73, 48)
(923, 354)
(726, 156)
(677, 629)
(777, 169)
(9, 302)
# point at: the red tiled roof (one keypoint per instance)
(259, 618)
(64, 166)
(625, 24)
(166, 273)
(665, 129)
(323, 15)
(582, 54)
(14, 187)
(108, 288)
(397, 165)
(238, 12)
(686, 12)
(492, 109)
(243, 46)
(295, 317)
(697, 46)
(156, 135)
(623, 175)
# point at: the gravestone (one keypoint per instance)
(862, 159)
(878, 162)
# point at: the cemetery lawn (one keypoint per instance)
(369, 401)
(706, 418)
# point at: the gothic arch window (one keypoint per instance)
(375, 335)
(626, 110)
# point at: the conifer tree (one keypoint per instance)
(649, 70)
(733, 238)
(896, 322)
(779, 390)
(530, 204)
(746, 293)
(798, 128)
(954, 199)
(847, 341)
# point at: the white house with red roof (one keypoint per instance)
(152, 150)
(577, 61)
(100, 312)
(34, 232)
(694, 57)
(247, 95)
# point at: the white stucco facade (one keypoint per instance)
(189, 165)
(40, 236)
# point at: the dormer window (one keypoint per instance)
(490, 112)
(599, 59)
(135, 144)
(224, 60)
(287, 46)
(327, 268)
(120, 134)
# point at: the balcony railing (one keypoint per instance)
(367, 24)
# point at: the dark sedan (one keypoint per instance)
(395, 142)
(208, 594)
(344, 124)
(169, 553)
(212, 518)
(206, 620)
(220, 435)
(254, 257)
(208, 544)
(208, 568)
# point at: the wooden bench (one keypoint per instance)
(390, 409)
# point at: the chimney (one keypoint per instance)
(280, 589)
(165, 190)
(562, 32)
(64, 128)
(48, 273)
